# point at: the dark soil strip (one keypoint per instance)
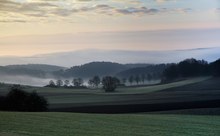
(135, 108)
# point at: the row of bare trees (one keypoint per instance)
(96, 81)
(139, 79)
(77, 82)
(108, 83)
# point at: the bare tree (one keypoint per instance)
(77, 82)
(59, 83)
(143, 77)
(137, 79)
(109, 83)
(124, 80)
(51, 83)
(66, 82)
(96, 81)
(131, 79)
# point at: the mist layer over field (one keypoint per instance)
(34, 81)
(24, 80)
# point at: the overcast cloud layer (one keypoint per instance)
(35, 9)
(29, 27)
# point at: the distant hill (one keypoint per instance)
(33, 70)
(4, 71)
(79, 57)
(87, 70)
(91, 69)
(137, 65)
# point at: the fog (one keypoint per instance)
(152, 82)
(32, 81)
(40, 82)
(24, 80)
(74, 58)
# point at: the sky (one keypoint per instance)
(31, 27)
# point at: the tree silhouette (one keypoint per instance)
(124, 80)
(187, 68)
(131, 79)
(215, 67)
(91, 83)
(117, 81)
(59, 83)
(19, 100)
(143, 77)
(51, 83)
(80, 80)
(96, 81)
(109, 83)
(66, 83)
(137, 79)
(77, 82)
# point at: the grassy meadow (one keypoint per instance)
(73, 124)
(162, 123)
(62, 98)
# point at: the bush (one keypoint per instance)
(2, 103)
(36, 102)
(19, 100)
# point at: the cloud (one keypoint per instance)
(13, 20)
(54, 8)
(110, 10)
(141, 10)
(162, 1)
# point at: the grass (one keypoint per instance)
(196, 89)
(60, 97)
(72, 124)
(167, 123)
(149, 95)
(148, 89)
(133, 90)
(197, 111)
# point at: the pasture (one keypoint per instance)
(74, 124)
(189, 96)
(190, 90)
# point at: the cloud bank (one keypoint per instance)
(40, 10)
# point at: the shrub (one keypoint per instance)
(19, 100)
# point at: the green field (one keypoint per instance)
(182, 122)
(138, 95)
(72, 124)
(65, 98)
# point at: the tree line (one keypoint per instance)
(76, 82)
(107, 82)
(96, 81)
(186, 68)
(191, 68)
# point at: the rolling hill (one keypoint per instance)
(96, 68)
(84, 71)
